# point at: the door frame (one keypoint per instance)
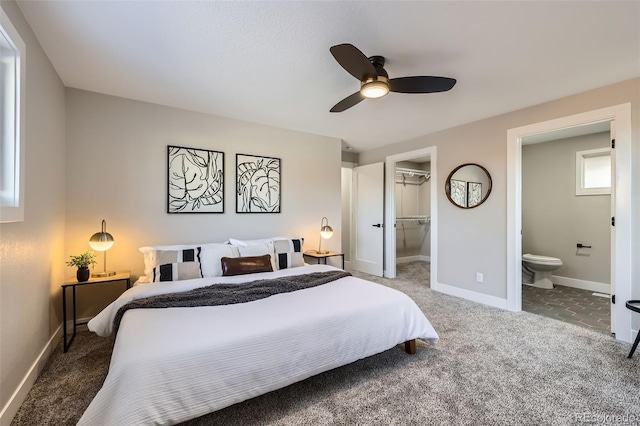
(390, 211)
(621, 267)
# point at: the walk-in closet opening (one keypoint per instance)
(413, 214)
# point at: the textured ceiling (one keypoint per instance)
(269, 62)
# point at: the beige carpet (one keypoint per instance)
(491, 367)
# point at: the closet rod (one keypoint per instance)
(411, 172)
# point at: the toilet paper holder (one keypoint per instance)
(579, 245)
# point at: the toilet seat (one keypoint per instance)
(541, 260)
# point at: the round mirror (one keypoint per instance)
(468, 185)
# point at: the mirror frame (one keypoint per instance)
(447, 187)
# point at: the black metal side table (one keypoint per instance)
(634, 305)
(73, 283)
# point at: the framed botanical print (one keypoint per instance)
(458, 192)
(474, 193)
(257, 184)
(195, 180)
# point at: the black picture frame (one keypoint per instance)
(195, 180)
(474, 194)
(258, 184)
(458, 192)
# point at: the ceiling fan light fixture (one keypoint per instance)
(375, 88)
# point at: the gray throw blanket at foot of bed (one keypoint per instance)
(228, 294)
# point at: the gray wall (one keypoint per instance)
(117, 170)
(32, 252)
(555, 219)
(350, 157)
(475, 240)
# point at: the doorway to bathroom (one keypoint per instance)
(621, 219)
(566, 237)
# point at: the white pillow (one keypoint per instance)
(211, 255)
(238, 243)
(259, 250)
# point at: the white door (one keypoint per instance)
(368, 205)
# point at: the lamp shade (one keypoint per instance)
(101, 241)
(325, 232)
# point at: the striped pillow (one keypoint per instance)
(289, 252)
(173, 256)
(177, 271)
(154, 258)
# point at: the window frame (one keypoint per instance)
(581, 156)
(13, 211)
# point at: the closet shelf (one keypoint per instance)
(412, 172)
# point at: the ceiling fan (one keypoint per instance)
(374, 80)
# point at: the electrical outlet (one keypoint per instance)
(479, 277)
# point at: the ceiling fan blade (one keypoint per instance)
(353, 61)
(421, 84)
(348, 102)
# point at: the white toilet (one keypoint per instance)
(541, 266)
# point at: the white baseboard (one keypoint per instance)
(474, 296)
(585, 285)
(11, 408)
(407, 259)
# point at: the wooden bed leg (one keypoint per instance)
(410, 346)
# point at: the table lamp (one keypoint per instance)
(102, 241)
(325, 232)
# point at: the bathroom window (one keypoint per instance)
(12, 78)
(593, 172)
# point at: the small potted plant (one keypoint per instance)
(83, 261)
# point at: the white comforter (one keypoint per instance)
(171, 365)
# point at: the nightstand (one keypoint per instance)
(324, 256)
(73, 283)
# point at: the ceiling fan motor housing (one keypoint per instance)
(378, 63)
(376, 86)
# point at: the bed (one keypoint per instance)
(174, 364)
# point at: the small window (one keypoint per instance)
(593, 172)
(12, 79)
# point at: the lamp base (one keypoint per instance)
(102, 274)
(322, 252)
